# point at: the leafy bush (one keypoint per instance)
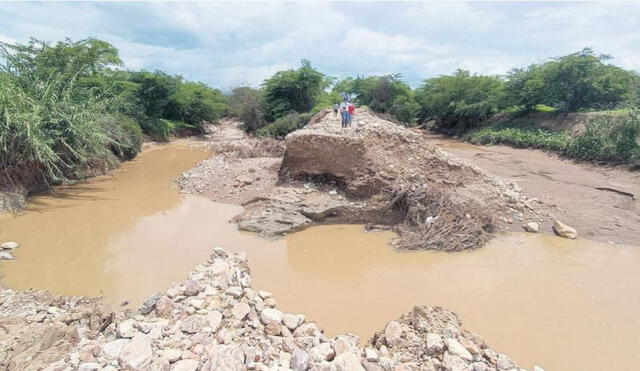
(608, 138)
(285, 125)
(195, 103)
(293, 91)
(125, 134)
(521, 137)
(245, 103)
(611, 138)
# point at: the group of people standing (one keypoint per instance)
(347, 110)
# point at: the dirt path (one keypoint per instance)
(600, 202)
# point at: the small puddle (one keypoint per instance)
(566, 305)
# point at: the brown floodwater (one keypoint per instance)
(562, 304)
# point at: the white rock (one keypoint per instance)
(137, 353)
(90, 366)
(434, 343)
(370, 354)
(392, 332)
(112, 349)
(532, 227)
(345, 343)
(185, 365)
(564, 230)
(192, 288)
(347, 361)
(291, 321)
(322, 352)
(537, 368)
(307, 329)
(458, 349)
(270, 315)
(6, 256)
(240, 310)
(171, 354)
(193, 324)
(9, 245)
(299, 360)
(454, 363)
(196, 303)
(504, 362)
(214, 319)
(265, 294)
(234, 291)
(126, 329)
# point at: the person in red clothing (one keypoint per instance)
(352, 111)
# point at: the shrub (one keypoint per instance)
(520, 137)
(610, 138)
(285, 125)
(125, 133)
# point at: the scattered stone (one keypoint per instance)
(435, 343)
(192, 324)
(112, 350)
(564, 230)
(392, 332)
(270, 315)
(192, 288)
(347, 361)
(299, 360)
(150, 304)
(234, 291)
(90, 366)
(164, 306)
(291, 321)
(127, 329)
(532, 227)
(9, 245)
(172, 355)
(137, 353)
(322, 352)
(214, 319)
(6, 255)
(456, 348)
(240, 310)
(185, 365)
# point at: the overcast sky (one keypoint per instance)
(227, 44)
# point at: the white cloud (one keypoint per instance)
(225, 44)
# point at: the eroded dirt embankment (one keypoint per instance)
(375, 172)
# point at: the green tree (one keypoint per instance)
(293, 91)
(195, 103)
(581, 80)
(461, 99)
(246, 104)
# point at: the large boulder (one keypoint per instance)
(564, 230)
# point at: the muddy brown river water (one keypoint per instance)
(565, 305)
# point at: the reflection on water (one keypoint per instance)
(567, 305)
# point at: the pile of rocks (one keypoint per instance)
(215, 320)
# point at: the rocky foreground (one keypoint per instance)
(215, 320)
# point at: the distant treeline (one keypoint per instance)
(69, 106)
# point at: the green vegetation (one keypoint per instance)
(64, 107)
(383, 94)
(461, 100)
(284, 103)
(521, 137)
(607, 138)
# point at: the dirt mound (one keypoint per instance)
(447, 203)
